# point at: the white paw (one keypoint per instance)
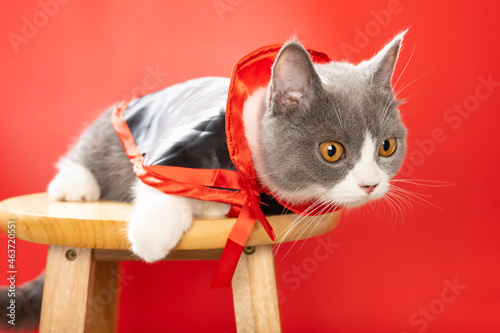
(157, 223)
(209, 209)
(73, 183)
(150, 245)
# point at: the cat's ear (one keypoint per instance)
(294, 80)
(382, 64)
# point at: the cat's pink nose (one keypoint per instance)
(368, 188)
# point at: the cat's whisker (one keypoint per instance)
(399, 202)
(386, 110)
(387, 200)
(298, 233)
(285, 233)
(423, 182)
(308, 212)
(321, 208)
(395, 190)
(283, 126)
(304, 227)
(400, 90)
(312, 210)
(398, 207)
(417, 197)
(333, 205)
(280, 243)
(291, 200)
(405, 100)
(315, 222)
(404, 69)
(297, 196)
(320, 218)
(337, 113)
(380, 204)
(408, 192)
(288, 229)
(402, 201)
(344, 113)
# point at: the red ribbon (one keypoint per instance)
(201, 182)
(238, 237)
(249, 73)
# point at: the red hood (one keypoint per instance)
(250, 73)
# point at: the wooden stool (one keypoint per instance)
(87, 241)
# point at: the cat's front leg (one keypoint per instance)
(159, 220)
(73, 182)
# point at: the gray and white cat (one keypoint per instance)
(329, 133)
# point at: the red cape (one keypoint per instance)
(249, 73)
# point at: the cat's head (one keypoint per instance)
(329, 133)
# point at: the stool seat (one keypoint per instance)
(103, 225)
(87, 241)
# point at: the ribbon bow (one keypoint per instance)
(249, 73)
(250, 212)
(175, 180)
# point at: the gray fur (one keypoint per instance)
(343, 101)
(334, 101)
(99, 149)
(315, 103)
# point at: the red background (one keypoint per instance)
(387, 264)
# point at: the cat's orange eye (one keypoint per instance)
(388, 147)
(331, 151)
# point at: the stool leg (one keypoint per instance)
(255, 294)
(65, 291)
(79, 294)
(102, 306)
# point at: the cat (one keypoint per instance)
(325, 133)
